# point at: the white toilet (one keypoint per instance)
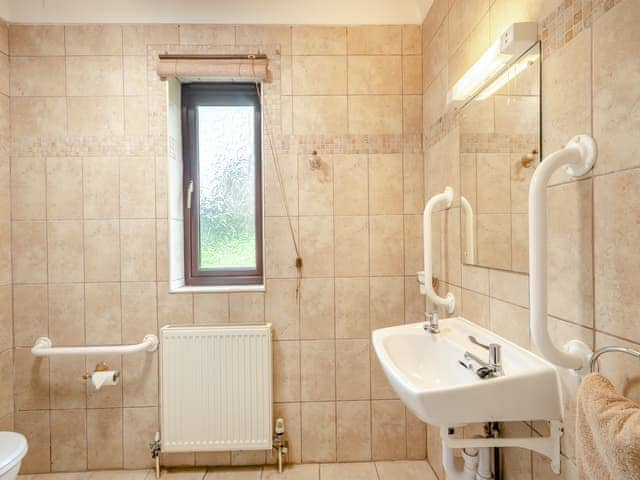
(13, 448)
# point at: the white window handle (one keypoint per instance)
(189, 193)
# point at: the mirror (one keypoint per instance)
(499, 150)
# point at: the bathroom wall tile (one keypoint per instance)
(493, 172)
(28, 197)
(66, 313)
(405, 469)
(68, 440)
(388, 434)
(352, 370)
(207, 34)
(134, 70)
(351, 246)
(387, 301)
(64, 244)
(434, 450)
(6, 383)
(211, 308)
(104, 438)
(282, 309)
(64, 188)
(386, 245)
(620, 369)
(414, 301)
(510, 287)
(36, 40)
(520, 180)
(140, 379)
(94, 116)
(379, 74)
(318, 432)
(380, 387)
(475, 307)
(139, 425)
(318, 370)
(516, 114)
(5, 252)
(137, 187)
(274, 35)
(102, 250)
(5, 187)
(462, 18)
(162, 250)
(413, 184)
(353, 441)
(355, 471)
(385, 184)
(412, 114)
(103, 316)
(352, 307)
(100, 187)
(6, 318)
(320, 115)
(246, 307)
(319, 75)
(374, 114)
(317, 246)
(31, 381)
(616, 87)
(29, 247)
(319, 40)
(273, 193)
(437, 54)
(412, 75)
(280, 254)
(37, 76)
(94, 76)
(315, 186)
(30, 315)
(316, 308)
(413, 245)
(286, 378)
(416, 437)
(93, 39)
(139, 312)
(38, 117)
(135, 38)
(374, 40)
(472, 48)
(137, 247)
(35, 426)
(105, 397)
(616, 259)
(68, 388)
(290, 412)
(517, 461)
(411, 40)
(434, 99)
(350, 185)
(510, 321)
(494, 240)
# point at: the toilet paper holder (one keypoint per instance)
(100, 367)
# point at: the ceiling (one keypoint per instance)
(318, 12)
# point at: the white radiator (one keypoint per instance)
(215, 388)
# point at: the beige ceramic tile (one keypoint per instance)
(616, 87)
(280, 254)
(290, 412)
(319, 75)
(475, 307)
(352, 307)
(494, 193)
(351, 246)
(387, 301)
(38, 117)
(281, 308)
(64, 188)
(68, 388)
(38, 76)
(510, 287)
(286, 380)
(211, 308)
(320, 115)
(494, 240)
(436, 55)
(318, 432)
(510, 321)
(353, 441)
(105, 397)
(379, 74)
(28, 242)
(416, 437)
(104, 438)
(388, 437)
(100, 187)
(413, 184)
(139, 316)
(103, 313)
(68, 440)
(317, 246)
(29, 313)
(352, 471)
(463, 17)
(316, 308)
(139, 424)
(246, 307)
(6, 319)
(295, 472)
(31, 381)
(28, 194)
(352, 370)
(272, 35)
(411, 40)
(137, 187)
(137, 250)
(93, 40)
(375, 114)
(66, 314)
(64, 244)
(385, 184)
(350, 185)
(207, 34)
(102, 250)
(318, 370)
(319, 40)
(35, 426)
(412, 114)
(413, 244)
(316, 186)
(374, 40)
(6, 384)
(135, 38)
(140, 379)
(412, 75)
(406, 470)
(36, 40)
(386, 245)
(414, 301)
(94, 76)
(135, 74)
(94, 116)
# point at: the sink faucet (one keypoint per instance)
(490, 369)
(434, 323)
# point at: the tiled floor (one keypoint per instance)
(401, 470)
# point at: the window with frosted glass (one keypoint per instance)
(223, 224)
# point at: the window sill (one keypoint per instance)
(216, 289)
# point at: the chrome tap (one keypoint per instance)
(490, 369)
(434, 323)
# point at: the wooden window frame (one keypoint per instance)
(216, 94)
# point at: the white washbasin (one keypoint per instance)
(424, 370)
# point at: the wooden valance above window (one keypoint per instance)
(227, 67)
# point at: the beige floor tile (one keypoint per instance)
(348, 471)
(293, 472)
(234, 473)
(405, 470)
(179, 474)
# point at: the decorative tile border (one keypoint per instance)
(497, 143)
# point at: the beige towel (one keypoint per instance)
(607, 432)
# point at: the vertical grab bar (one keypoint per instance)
(426, 283)
(577, 158)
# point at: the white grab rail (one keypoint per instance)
(425, 278)
(577, 158)
(44, 348)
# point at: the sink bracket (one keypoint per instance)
(548, 446)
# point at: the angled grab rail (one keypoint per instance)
(576, 158)
(44, 348)
(425, 278)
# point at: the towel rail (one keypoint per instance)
(603, 350)
(44, 348)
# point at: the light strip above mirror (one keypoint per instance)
(499, 58)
